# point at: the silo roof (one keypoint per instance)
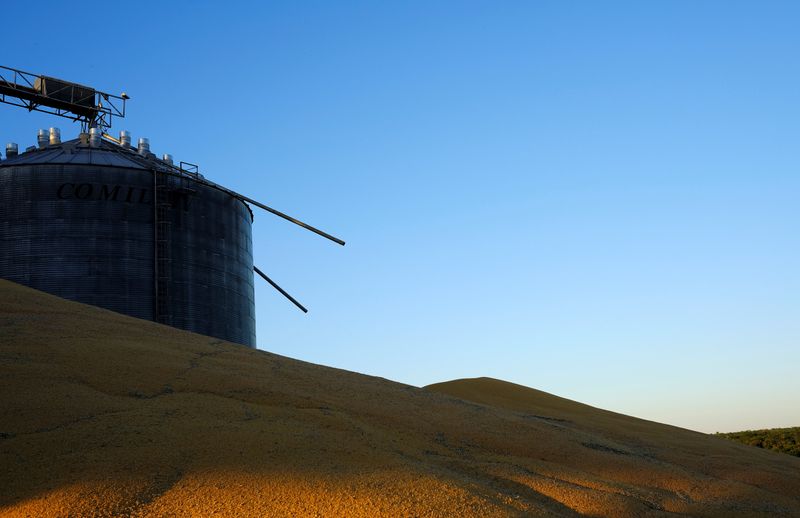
(108, 154)
(73, 152)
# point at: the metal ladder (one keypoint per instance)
(163, 258)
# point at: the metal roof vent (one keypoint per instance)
(55, 136)
(125, 139)
(42, 138)
(95, 137)
(12, 150)
(144, 146)
(168, 159)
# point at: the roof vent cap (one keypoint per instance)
(55, 136)
(125, 138)
(95, 137)
(144, 146)
(12, 150)
(42, 138)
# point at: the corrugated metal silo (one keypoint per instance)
(106, 226)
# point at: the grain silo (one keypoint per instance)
(99, 221)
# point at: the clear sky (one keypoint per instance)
(596, 199)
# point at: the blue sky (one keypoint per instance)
(596, 199)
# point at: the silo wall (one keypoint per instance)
(87, 233)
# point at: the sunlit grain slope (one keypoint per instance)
(107, 415)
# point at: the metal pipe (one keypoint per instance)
(289, 218)
(243, 198)
(281, 290)
(112, 139)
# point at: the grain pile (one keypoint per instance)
(105, 415)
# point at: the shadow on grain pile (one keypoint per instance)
(108, 415)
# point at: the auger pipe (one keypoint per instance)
(293, 220)
(283, 292)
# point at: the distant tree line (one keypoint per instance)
(785, 440)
